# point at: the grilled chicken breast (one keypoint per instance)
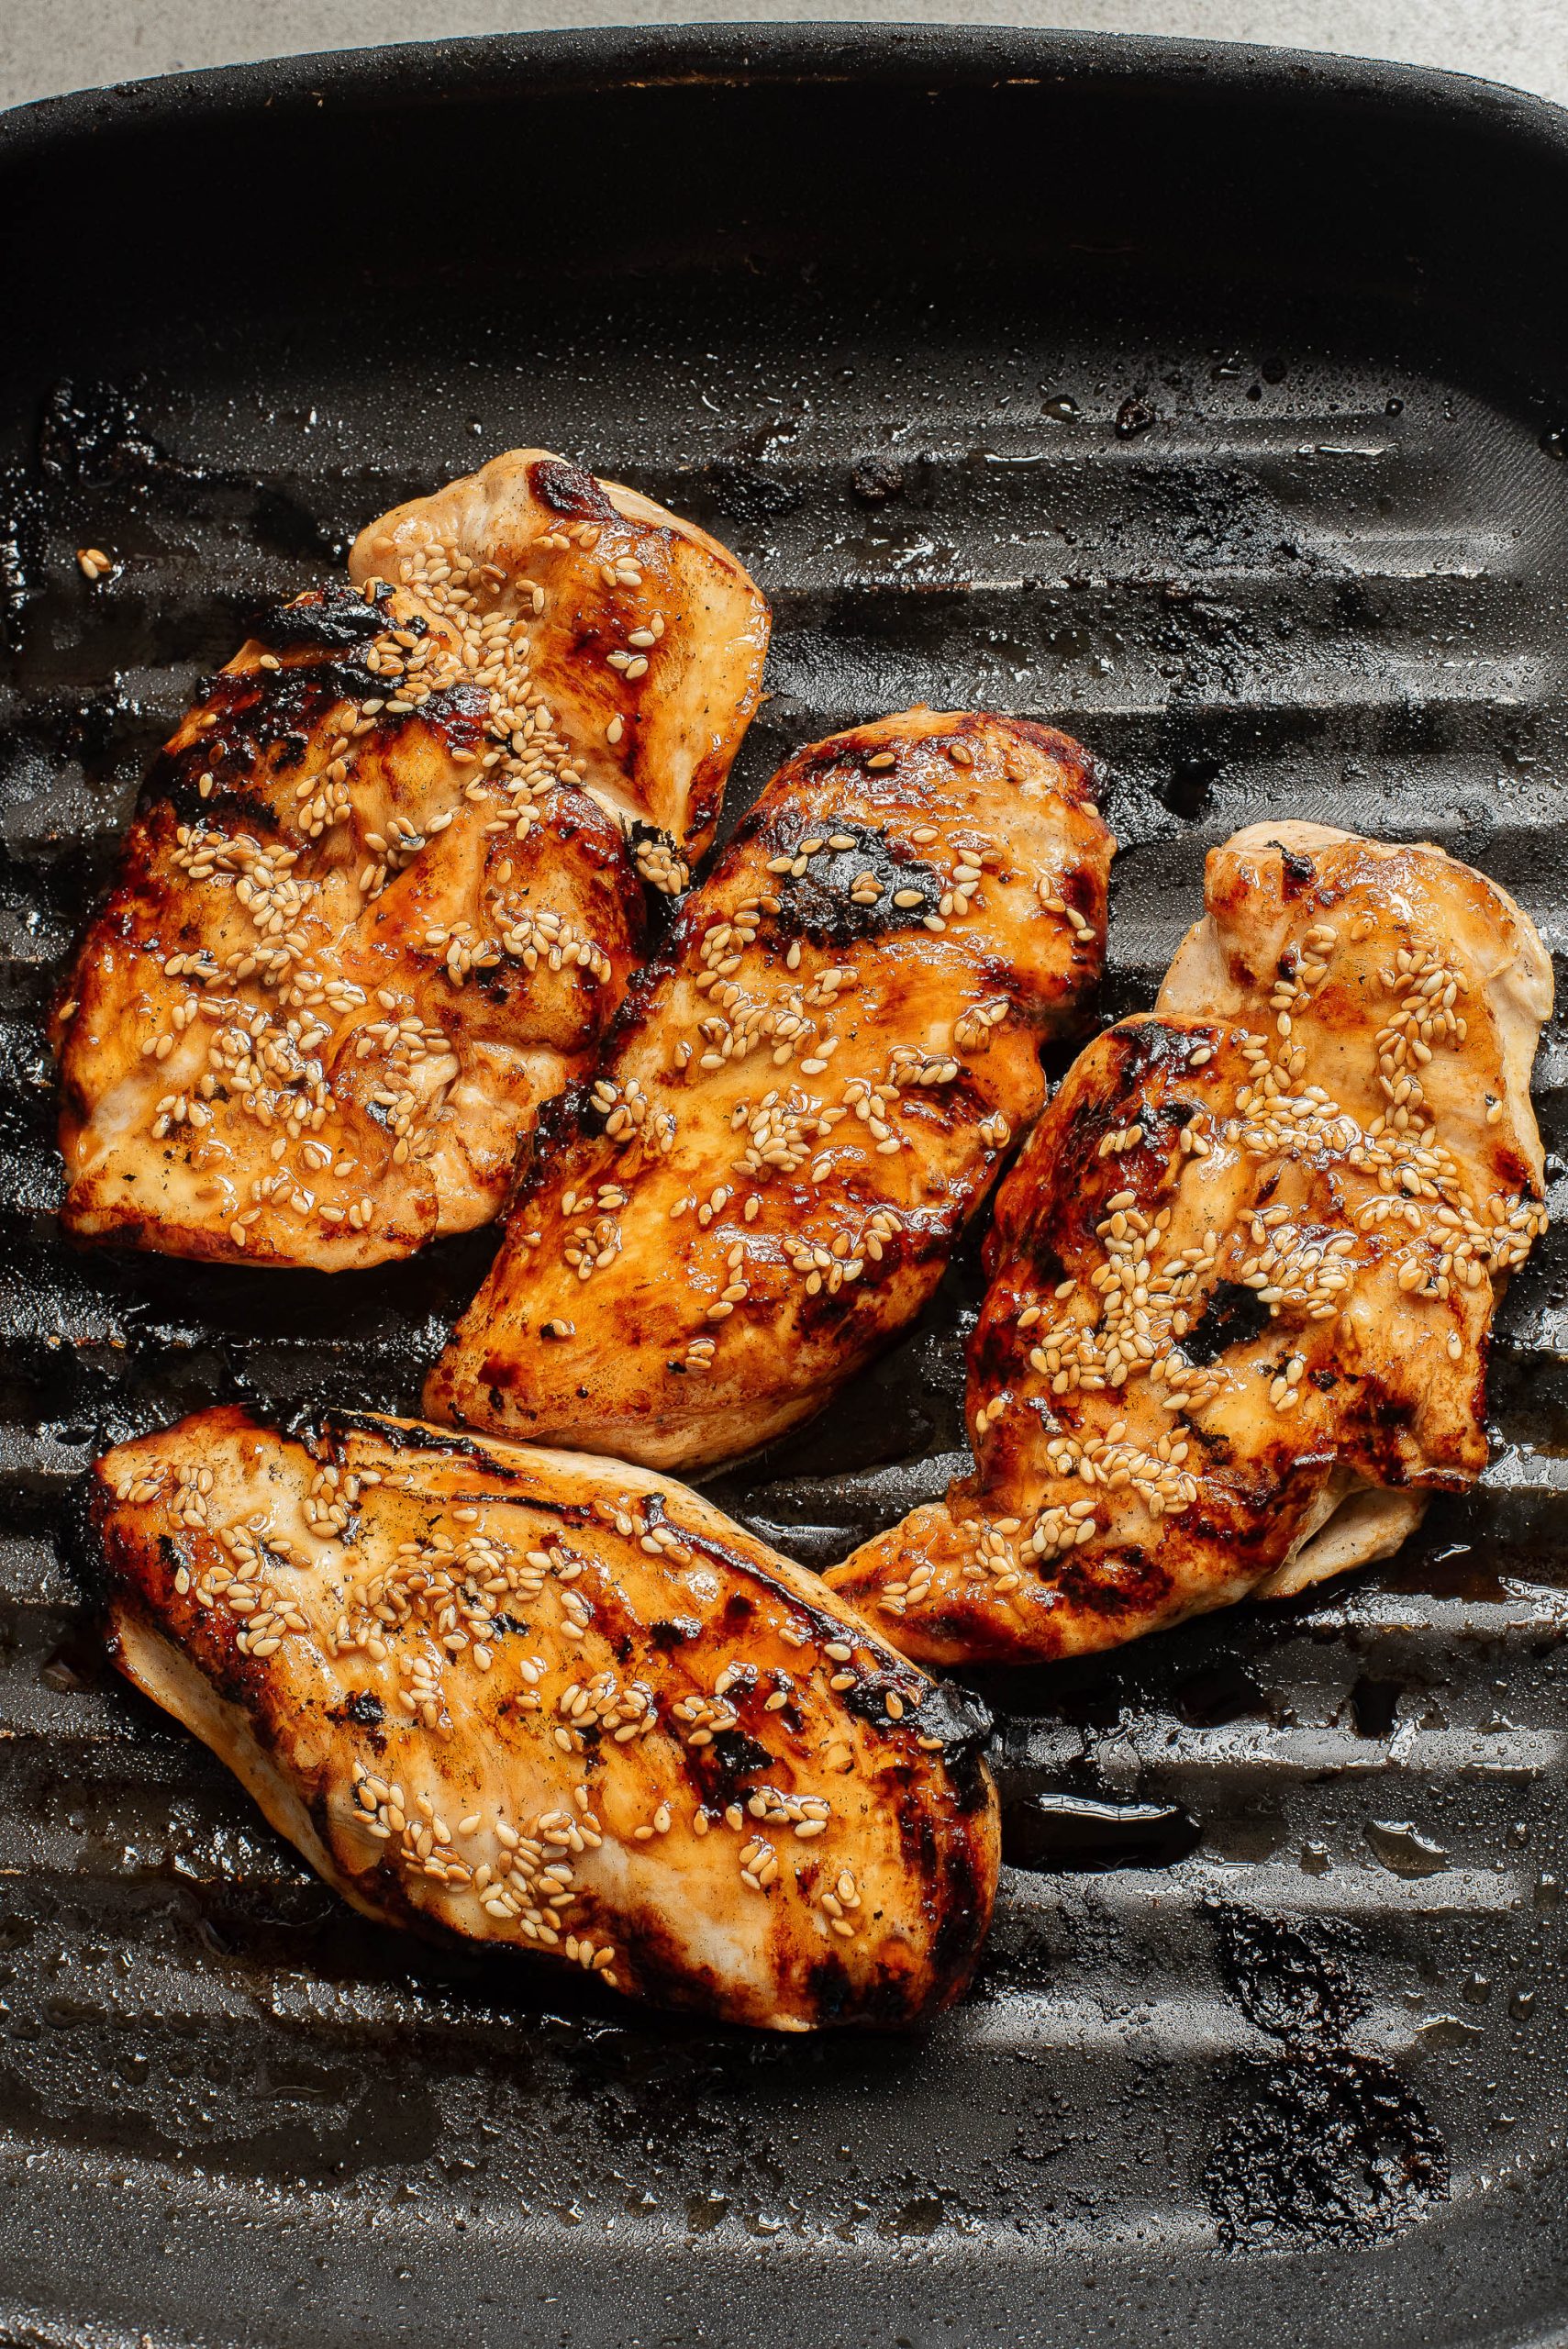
(559, 1704)
(381, 897)
(806, 1096)
(1243, 1276)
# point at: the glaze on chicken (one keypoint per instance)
(560, 1704)
(381, 894)
(1244, 1275)
(806, 1097)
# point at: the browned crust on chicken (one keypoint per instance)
(1244, 1275)
(379, 898)
(806, 1099)
(561, 1705)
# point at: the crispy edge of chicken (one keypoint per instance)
(605, 1722)
(804, 1101)
(380, 897)
(1330, 1149)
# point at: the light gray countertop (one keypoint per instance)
(78, 43)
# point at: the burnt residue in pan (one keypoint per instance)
(1316, 2140)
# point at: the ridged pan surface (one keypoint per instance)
(1209, 405)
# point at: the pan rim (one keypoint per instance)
(728, 54)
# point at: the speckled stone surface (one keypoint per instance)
(87, 42)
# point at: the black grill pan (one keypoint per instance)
(1211, 403)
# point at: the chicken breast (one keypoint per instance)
(806, 1099)
(557, 1704)
(381, 897)
(1244, 1275)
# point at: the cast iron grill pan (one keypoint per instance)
(1208, 404)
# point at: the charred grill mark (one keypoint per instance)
(333, 617)
(1510, 1171)
(735, 1756)
(868, 1699)
(707, 794)
(259, 706)
(1378, 1426)
(828, 1986)
(820, 905)
(267, 718)
(1233, 1316)
(257, 711)
(1149, 1051)
(1137, 1586)
(1299, 871)
(565, 489)
(174, 791)
(961, 1722)
(1082, 890)
(1253, 1505)
(1067, 1166)
(457, 713)
(403, 1436)
(665, 1973)
(962, 1908)
(672, 1631)
(822, 1624)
